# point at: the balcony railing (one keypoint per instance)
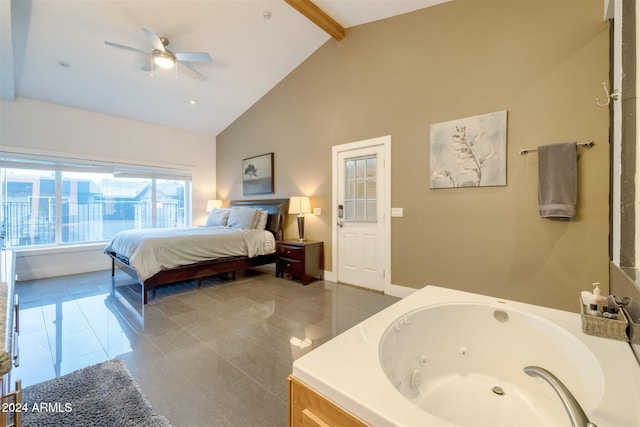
(86, 222)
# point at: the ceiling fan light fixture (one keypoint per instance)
(164, 59)
(161, 57)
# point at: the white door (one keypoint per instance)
(360, 204)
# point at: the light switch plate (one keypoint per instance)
(397, 212)
(317, 211)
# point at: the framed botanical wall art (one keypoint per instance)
(469, 152)
(257, 175)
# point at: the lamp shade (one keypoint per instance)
(212, 204)
(299, 205)
(164, 59)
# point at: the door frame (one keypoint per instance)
(385, 142)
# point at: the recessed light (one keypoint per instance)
(192, 102)
(64, 64)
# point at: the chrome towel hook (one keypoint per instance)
(613, 95)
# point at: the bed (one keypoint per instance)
(149, 279)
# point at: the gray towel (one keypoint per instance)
(558, 180)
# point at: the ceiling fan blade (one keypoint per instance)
(193, 57)
(121, 46)
(191, 71)
(154, 39)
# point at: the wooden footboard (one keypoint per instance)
(190, 272)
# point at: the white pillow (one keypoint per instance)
(218, 217)
(242, 218)
(261, 220)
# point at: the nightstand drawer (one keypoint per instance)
(291, 252)
(303, 260)
(293, 267)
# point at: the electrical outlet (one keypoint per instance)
(397, 212)
(317, 211)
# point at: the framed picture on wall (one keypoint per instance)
(469, 152)
(257, 175)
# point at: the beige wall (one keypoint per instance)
(542, 61)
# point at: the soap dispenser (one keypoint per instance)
(597, 299)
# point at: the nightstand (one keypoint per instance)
(300, 259)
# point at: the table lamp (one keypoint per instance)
(300, 205)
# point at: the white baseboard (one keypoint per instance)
(393, 290)
(41, 264)
(330, 276)
(61, 270)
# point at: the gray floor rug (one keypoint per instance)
(100, 395)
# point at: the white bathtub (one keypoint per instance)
(444, 357)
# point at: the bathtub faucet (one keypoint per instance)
(574, 410)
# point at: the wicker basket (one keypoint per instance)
(606, 328)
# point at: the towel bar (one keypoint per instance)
(587, 144)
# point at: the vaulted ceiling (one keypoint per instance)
(54, 50)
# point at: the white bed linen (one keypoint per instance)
(152, 250)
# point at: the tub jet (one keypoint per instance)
(501, 316)
(498, 390)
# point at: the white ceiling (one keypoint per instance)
(250, 54)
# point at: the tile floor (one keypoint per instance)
(215, 356)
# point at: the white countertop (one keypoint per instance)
(347, 369)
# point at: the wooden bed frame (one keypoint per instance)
(277, 209)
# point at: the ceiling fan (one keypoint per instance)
(163, 57)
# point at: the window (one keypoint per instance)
(47, 202)
(360, 189)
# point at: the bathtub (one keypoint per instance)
(444, 357)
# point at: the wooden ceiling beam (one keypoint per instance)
(318, 17)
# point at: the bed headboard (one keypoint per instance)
(277, 209)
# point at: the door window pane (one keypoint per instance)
(361, 189)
